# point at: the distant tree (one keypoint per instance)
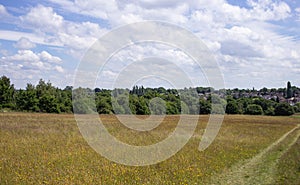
(284, 109)
(43, 87)
(83, 101)
(48, 103)
(48, 97)
(270, 111)
(243, 103)
(297, 105)
(264, 90)
(157, 106)
(161, 90)
(97, 90)
(6, 93)
(172, 108)
(138, 105)
(142, 106)
(104, 106)
(184, 108)
(217, 109)
(254, 109)
(64, 99)
(27, 100)
(68, 88)
(83, 106)
(205, 107)
(121, 103)
(232, 108)
(289, 92)
(266, 105)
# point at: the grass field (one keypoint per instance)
(49, 149)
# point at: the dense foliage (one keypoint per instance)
(44, 97)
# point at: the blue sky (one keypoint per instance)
(255, 42)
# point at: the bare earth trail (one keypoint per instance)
(261, 169)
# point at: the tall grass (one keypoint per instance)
(49, 149)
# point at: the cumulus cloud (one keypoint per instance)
(46, 57)
(59, 69)
(269, 10)
(55, 30)
(244, 39)
(28, 60)
(145, 57)
(92, 8)
(24, 43)
(3, 11)
(42, 18)
(27, 66)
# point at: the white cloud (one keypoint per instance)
(243, 39)
(27, 66)
(269, 10)
(28, 60)
(59, 69)
(43, 18)
(93, 8)
(22, 55)
(46, 57)
(3, 11)
(55, 30)
(24, 43)
(152, 4)
(16, 36)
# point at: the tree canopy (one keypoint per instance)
(44, 97)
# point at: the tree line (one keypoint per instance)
(44, 97)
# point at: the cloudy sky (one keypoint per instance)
(255, 42)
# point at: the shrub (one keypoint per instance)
(297, 107)
(232, 108)
(284, 109)
(270, 111)
(254, 109)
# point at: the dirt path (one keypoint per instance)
(261, 168)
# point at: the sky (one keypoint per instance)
(256, 43)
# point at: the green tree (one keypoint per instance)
(138, 105)
(172, 108)
(289, 92)
(121, 102)
(284, 109)
(254, 109)
(44, 87)
(142, 106)
(232, 107)
(243, 104)
(270, 111)
(27, 100)
(104, 106)
(6, 93)
(184, 108)
(65, 100)
(48, 103)
(83, 101)
(48, 97)
(205, 107)
(297, 105)
(157, 106)
(217, 109)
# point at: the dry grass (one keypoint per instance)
(49, 149)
